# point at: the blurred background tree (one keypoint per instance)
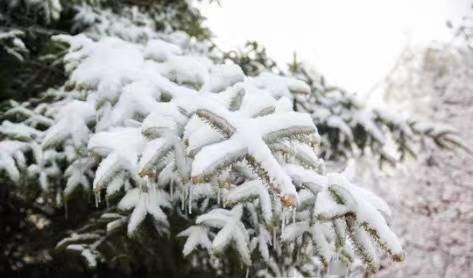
(435, 212)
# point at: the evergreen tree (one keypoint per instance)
(197, 166)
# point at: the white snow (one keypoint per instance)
(161, 123)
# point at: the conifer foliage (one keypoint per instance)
(163, 135)
(182, 149)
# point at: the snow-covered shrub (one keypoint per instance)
(162, 132)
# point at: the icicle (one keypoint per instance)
(283, 221)
(190, 200)
(156, 179)
(293, 215)
(277, 246)
(59, 197)
(183, 198)
(153, 186)
(247, 272)
(171, 189)
(274, 237)
(97, 198)
(218, 195)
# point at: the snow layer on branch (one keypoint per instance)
(232, 230)
(11, 154)
(12, 42)
(143, 203)
(280, 86)
(196, 236)
(71, 122)
(250, 137)
(249, 190)
(19, 131)
(365, 206)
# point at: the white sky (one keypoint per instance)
(353, 43)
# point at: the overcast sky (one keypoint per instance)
(353, 43)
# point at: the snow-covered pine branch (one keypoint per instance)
(12, 43)
(348, 126)
(47, 10)
(156, 128)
